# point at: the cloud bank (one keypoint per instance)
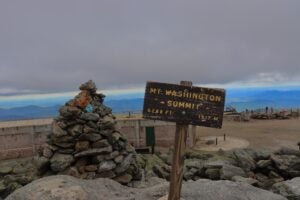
(53, 46)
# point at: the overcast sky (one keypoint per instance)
(54, 45)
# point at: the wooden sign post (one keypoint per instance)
(178, 157)
(183, 104)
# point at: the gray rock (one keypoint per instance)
(69, 111)
(60, 162)
(67, 187)
(288, 165)
(250, 181)
(213, 174)
(112, 155)
(90, 116)
(288, 151)
(89, 86)
(193, 163)
(123, 179)
(92, 137)
(119, 159)
(93, 152)
(98, 159)
(263, 163)
(47, 152)
(5, 170)
(76, 130)
(245, 159)
(225, 190)
(124, 165)
(289, 189)
(229, 171)
(101, 144)
(190, 174)
(41, 163)
(57, 131)
(160, 172)
(106, 132)
(2, 186)
(106, 166)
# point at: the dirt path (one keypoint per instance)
(261, 134)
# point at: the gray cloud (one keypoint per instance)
(53, 46)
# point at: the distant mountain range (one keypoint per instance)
(241, 99)
(33, 112)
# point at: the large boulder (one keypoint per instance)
(69, 188)
(225, 190)
(229, 171)
(245, 159)
(289, 189)
(288, 165)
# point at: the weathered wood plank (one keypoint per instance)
(178, 157)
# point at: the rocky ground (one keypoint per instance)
(277, 172)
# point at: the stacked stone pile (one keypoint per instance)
(85, 143)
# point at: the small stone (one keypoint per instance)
(273, 174)
(106, 132)
(76, 130)
(90, 168)
(81, 162)
(129, 148)
(112, 155)
(2, 186)
(89, 86)
(98, 159)
(123, 179)
(106, 174)
(47, 152)
(92, 137)
(82, 145)
(92, 124)
(63, 139)
(60, 162)
(93, 152)
(119, 159)
(64, 145)
(263, 163)
(189, 174)
(72, 171)
(18, 169)
(122, 167)
(106, 166)
(41, 163)
(87, 130)
(90, 117)
(66, 151)
(100, 144)
(69, 111)
(57, 131)
(213, 174)
(5, 170)
(241, 179)
(160, 172)
(115, 136)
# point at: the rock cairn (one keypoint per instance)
(85, 143)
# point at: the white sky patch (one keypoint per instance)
(8, 91)
(114, 92)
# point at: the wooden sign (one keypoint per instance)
(184, 104)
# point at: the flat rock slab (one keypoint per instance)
(69, 188)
